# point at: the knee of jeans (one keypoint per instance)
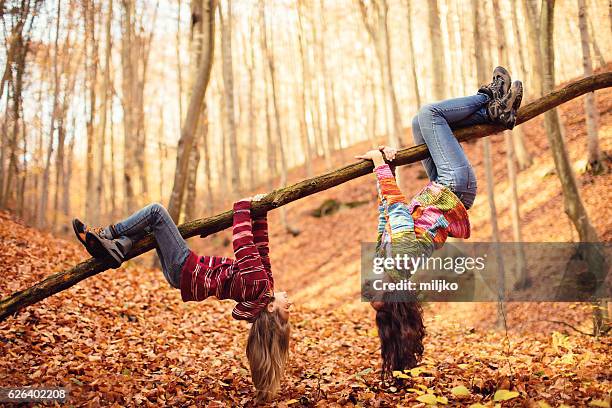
(157, 207)
(429, 109)
(467, 199)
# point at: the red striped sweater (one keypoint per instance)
(246, 279)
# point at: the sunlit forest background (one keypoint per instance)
(95, 94)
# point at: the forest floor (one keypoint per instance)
(124, 338)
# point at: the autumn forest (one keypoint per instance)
(108, 106)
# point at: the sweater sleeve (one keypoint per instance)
(393, 202)
(260, 236)
(245, 251)
(400, 222)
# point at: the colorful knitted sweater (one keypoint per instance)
(246, 279)
(418, 227)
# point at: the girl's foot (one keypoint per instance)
(499, 86)
(504, 111)
(81, 230)
(114, 250)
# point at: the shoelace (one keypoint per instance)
(96, 230)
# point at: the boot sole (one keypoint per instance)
(503, 72)
(77, 227)
(108, 250)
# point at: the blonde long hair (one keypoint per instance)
(267, 350)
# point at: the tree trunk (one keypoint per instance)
(193, 110)
(105, 95)
(572, 200)
(228, 87)
(519, 260)
(62, 280)
(523, 157)
(437, 50)
(207, 171)
(251, 156)
(305, 80)
(375, 21)
(128, 101)
(415, 83)
(530, 8)
(480, 43)
(92, 204)
(269, 53)
(324, 134)
(594, 162)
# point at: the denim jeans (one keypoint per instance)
(448, 164)
(172, 249)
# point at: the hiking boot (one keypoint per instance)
(81, 230)
(500, 85)
(504, 110)
(108, 249)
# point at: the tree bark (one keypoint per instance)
(523, 157)
(437, 50)
(375, 21)
(519, 260)
(250, 64)
(481, 76)
(91, 68)
(63, 280)
(228, 87)
(103, 119)
(530, 8)
(305, 80)
(572, 200)
(415, 82)
(594, 162)
(193, 111)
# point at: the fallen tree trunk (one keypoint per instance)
(277, 198)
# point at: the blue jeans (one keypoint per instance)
(172, 249)
(448, 164)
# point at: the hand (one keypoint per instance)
(370, 155)
(388, 151)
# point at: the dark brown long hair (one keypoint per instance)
(401, 332)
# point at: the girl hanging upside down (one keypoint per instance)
(438, 211)
(247, 279)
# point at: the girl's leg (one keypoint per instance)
(171, 247)
(452, 166)
(428, 163)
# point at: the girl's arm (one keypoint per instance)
(260, 236)
(245, 251)
(249, 263)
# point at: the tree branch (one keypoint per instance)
(282, 196)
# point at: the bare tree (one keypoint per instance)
(92, 204)
(530, 8)
(268, 48)
(104, 110)
(572, 200)
(415, 82)
(305, 80)
(193, 111)
(375, 20)
(520, 263)
(481, 74)
(437, 50)
(594, 163)
(523, 157)
(228, 87)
